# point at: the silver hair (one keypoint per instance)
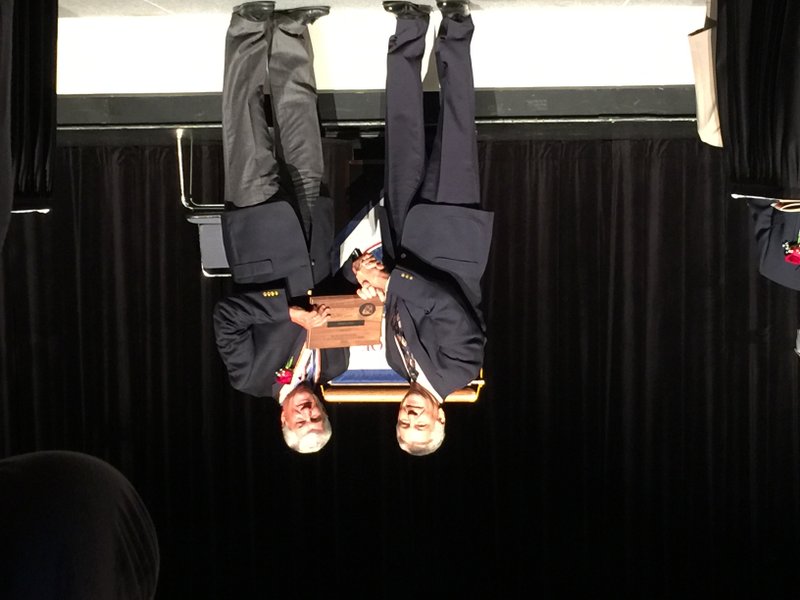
(429, 447)
(437, 432)
(310, 442)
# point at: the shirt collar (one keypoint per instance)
(299, 373)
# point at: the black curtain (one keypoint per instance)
(6, 162)
(758, 89)
(33, 92)
(28, 34)
(638, 435)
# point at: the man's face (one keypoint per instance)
(417, 418)
(302, 412)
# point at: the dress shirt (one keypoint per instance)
(306, 369)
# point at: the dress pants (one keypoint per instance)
(73, 528)
(270, 57)
(451, 173)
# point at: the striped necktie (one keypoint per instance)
(402, 343)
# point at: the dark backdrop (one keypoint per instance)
(33, 98)
(638, 435)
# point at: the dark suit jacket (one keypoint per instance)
(435, 286)
(772, 229)
(265, 243)
(442, 331)
(255, 338)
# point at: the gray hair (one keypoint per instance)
(310, 442)
(424, 448)
(437, 433)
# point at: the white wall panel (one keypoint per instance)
(514, 46)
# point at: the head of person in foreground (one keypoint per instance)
(420, 422)
(304, 421)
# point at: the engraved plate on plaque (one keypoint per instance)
(354, 322)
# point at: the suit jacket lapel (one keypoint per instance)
(424, 357)
(419, 352)
(393, 356)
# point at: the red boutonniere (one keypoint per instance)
(284, 375)
(791, 251)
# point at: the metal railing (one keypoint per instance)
(187, 199)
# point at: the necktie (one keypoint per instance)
(311, 368)
(402, 343)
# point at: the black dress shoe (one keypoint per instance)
(306, 14)
(407, 10)
(457, 10)
(255, 11)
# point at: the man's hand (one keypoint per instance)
(367, 292)
(370, 273)
(366, 261)
(364, 264)
(307, 319)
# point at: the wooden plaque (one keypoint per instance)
(354, 322)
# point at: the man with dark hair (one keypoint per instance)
(72, 528)
(277, 240)
(434, 333)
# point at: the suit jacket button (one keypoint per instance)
(313, 263)
(402, 255)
